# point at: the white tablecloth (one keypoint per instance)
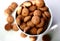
(54, 5)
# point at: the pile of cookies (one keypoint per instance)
(32, 18)
(10, 18)
(46, 37)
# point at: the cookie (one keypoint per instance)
(8, 27)
(37, 13)
(23, 26)
(25, 12)
(46, 38)
(33, 38)
(44, 8)
(23, 35)
(10, 19)
(32, 8)
(27, 4)
(8, 12)
(27, 18)
(41, 24)
(30, 24)
(39, 3)
(39, 30)
(33, 31)
(15, 28)
(19, 10)
(35, 19)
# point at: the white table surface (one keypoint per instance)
(54, 5)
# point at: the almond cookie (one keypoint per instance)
(37, 13)
(11, 8)
(26, 29)
(44, 16)
(46, 38)
(39, 30)
(35, 20)
(44, 8)
(41, 24)
(8, 27)
(27, 18)
(14, 5)
(33, 38)
(25, 12)
(32, 8)
(47, 14)
(27, 4)
(33, 31)
(23, 35)
(39, 3)
(15, 28)
(10, 19)
(33, 1)
(19, 10)
(23, 26)
(8, 12)
(18, 19)
(30, 24)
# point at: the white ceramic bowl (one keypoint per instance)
(48, 28)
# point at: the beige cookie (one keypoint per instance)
(44, 16)
(39, 30)
(10, 19)
(8, 12)
(37, 13)
(8, 27)
(27, 4)
(15, 28)
(44, 8)
(33, 31)
(18, 19)
(27, 18)
(19, 10)
(30, 24)
(47, 14)
(33, 38)
(46, 38)
(39, 3)
(23, 35)
(23, 26)
(14, 5)
(25, 12)
(32, 8)
(35, 20)
(41, 24)
(33, 1)
(11, 8)
(26, 29)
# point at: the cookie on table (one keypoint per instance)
(23, 35)
(46, 38)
